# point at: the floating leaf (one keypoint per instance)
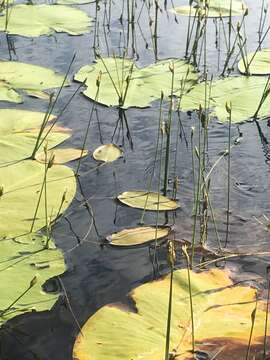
(22, 185)
(216, 8)
(21, 261)
(61, 156)
(45, 20)
(148, 200)
(31, 78)
(107, 153)
(138, 236)
(258, 63)
(19, 130)
(144, 85)
(243, 92)
(18, 134)
(221, 312)
(74, 2)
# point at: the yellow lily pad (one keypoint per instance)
(107, 153)
(214, 9)
(149, 200)
(61, 156)
(36, 20)
(258, 64)
(222, 321)
(138, 235)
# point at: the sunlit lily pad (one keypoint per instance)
(257, 64)
(138, 236)
(22, 179)
(22, 184)
(243, 92)
(107, 153)
(145, 84)
(61, 156)
(74, 2)
(21, 261)
(19, 130)
(216, 8)
(15, 75)
(148, 200)
(222, 321)
(36, 20)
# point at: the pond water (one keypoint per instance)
(99, 275)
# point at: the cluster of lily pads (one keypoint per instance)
(45, 188)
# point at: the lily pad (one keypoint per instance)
(222, 321)
(107, 153)
(148, 200)
(258, 64)
(138, 236)
(19, 130)
(21, 261)
(36, 20)
(22, 185)
(243, 92)
(61, 156)
(145, 84)
(22, 179)
(216, 8)
(15, 75)
(74, 2)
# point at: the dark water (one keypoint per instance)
(99, 275)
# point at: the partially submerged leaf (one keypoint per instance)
(15, 75)
(138, 236)
(256, 63)
(61, 156)
(107, 153)
(21, 261)
(244, 93)
(36, 20)
(214, 8)
(38, 94)
(148, 200)
(144, 85)
(222, 321)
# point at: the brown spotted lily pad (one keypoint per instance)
(222, 321)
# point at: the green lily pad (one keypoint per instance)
(149, 200)
(222, 321)
(258, 64)
(138, 236)
(22, 184)
(145, 84)
(216, 9)
(22, 179)
(15, 75)
(107, 153)
(21, 261)
(243, 92)
(19, 130)
(36, 20)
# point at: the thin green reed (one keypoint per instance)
(168, 132)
